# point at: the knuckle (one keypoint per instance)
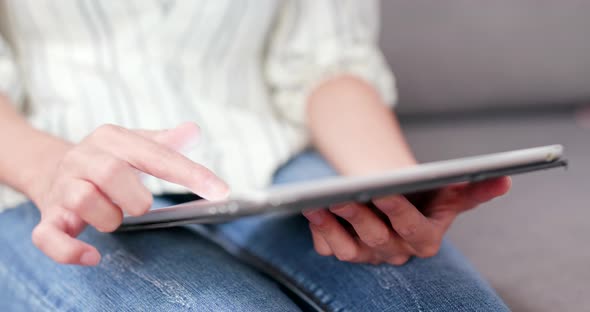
(348, 254)
(378, 240)
(376, 261)
(325, 228)
(71, 156)
(142, 205)
(109, 170)
(408, 230)
(391, 205)
(114, 165)
(399, 260)
(428, 251)
(78, 200)
(106, 130)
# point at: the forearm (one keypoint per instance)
(352, 127)
(26, 152)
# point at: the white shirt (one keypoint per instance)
(240, 69)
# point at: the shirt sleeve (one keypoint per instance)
(10, 82)
(317, 40)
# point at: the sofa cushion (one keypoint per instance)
(457, 55)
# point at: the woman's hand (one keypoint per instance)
(96, 181)
(394, 228)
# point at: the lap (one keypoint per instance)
(175, 269)
(171, 269)
(282, 246)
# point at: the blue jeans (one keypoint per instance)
(264, 263)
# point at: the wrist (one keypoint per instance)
(35, 162)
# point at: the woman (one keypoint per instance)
(87, 85)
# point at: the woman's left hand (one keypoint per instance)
(392, 229)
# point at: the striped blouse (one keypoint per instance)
(239, 69)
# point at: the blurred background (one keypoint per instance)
(487, 76)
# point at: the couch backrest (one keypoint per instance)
(460, 54)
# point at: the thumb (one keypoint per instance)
(181, 138)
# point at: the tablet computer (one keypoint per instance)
(325, 192)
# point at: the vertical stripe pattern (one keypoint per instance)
(241, 69)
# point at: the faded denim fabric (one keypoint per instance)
(184, 269)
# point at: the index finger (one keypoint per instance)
(162, 162)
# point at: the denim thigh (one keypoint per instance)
(161, 270)
(282, 247)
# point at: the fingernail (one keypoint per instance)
(316, 217)
(216, 189)
(90, 258)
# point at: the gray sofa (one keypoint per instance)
(486, 76)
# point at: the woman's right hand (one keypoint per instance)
(98, 180)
